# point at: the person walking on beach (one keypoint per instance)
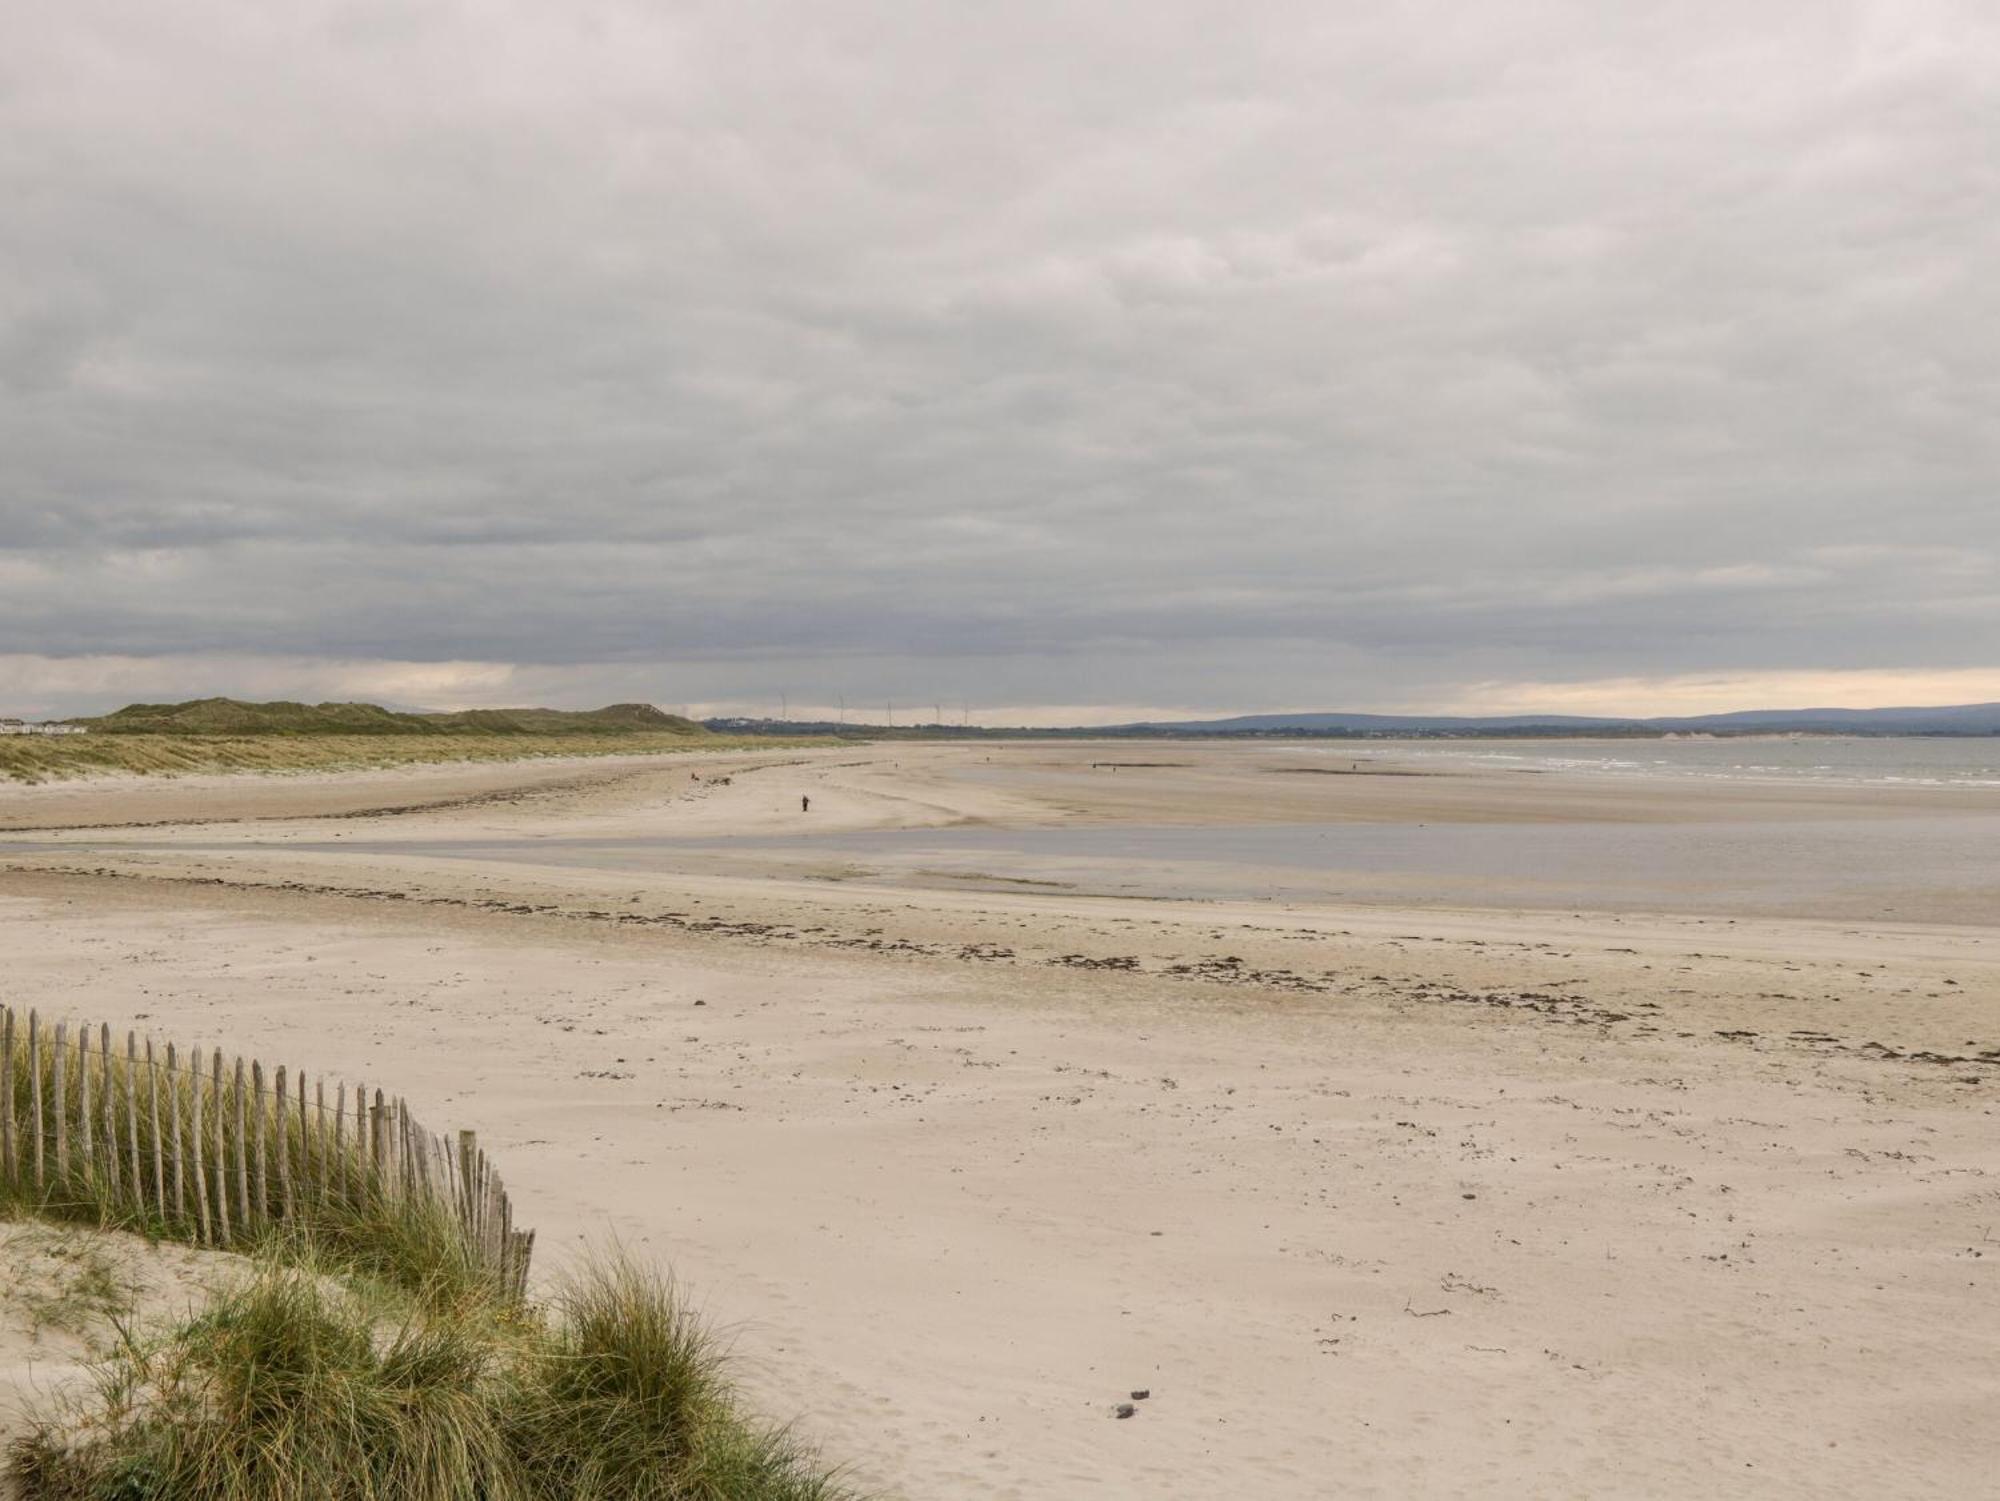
(805, 804)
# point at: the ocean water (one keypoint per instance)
(1942, 867)
(1927, 761)
(1907, 869)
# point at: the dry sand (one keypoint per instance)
(67, 1294)
(1393, 1198)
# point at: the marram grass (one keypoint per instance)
(49, 758)
(290, 1387)
(296, 1386)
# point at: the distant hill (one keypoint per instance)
(1958, 719)
(229, 716)
(1954, 719)
(1384, 724)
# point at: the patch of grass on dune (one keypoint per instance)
(227, 734)
(625, 1395)
(296, 1386)
(46, 758)
(289, 1386)
(235, 716)
(282, 1388)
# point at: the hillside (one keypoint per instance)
(224, 735)
(1956, 719)
(229, 716)
(1391, 724)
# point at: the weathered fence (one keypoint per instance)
(219, 1153)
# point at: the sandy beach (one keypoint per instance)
(985, 1093)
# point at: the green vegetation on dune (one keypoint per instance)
(229, 716)
(39, 758)
(298, 1382)
(228, 735)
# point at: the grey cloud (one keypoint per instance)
(1250, 354)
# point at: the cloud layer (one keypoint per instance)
(1169, 353)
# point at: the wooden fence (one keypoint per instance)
(217, 1153)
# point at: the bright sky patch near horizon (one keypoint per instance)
(1064, 361)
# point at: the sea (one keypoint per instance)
(1930, 761)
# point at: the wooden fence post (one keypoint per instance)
(159, 1147)
(362, 1157)
(257, 1139)
(301, 1157)
(340, 1135)
(7, 1158)
(305, 1140)
(114, 1150)
(174, 1110)
(83, 1152)
(35, 1087)
(503, 1240)
(132, 1117)
(110, 1101)
(281, 1099)
(241, 1105)
(61, 1077)
(468, 1152)
(216, 1104)
(326, 1167)
(406, 1148)
(194, 1136)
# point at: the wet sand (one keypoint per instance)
(1433, 1197)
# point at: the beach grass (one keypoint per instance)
(293, 1384)
(48, 758)
(625, 1393)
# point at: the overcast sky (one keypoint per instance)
(1063, 359)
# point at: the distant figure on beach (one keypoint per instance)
(805, 804)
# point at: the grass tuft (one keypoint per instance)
(295, 1385)
(285, 1389)
(415, 1247)
(625, 1386)
(51, 758)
